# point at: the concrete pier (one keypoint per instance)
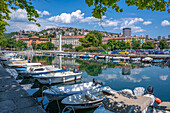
(14, 99)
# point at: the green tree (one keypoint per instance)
(3, 42)
(78, 48)
(101, 6)
(50, 45)
(21, 44)
(33, 45)
(98, 35)
(11, 43)
(148, 45)
(6, 5)
(105, 47)
(136, 44)
(112, 43)
(70, 46)
(127, 45)
(163, 44)
(65, 46)
(92, 40)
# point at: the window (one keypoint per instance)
(40, 69)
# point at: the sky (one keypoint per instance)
(76, 13)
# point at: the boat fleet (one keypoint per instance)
(45, 74)
(90, 94)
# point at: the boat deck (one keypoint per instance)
(13, 98)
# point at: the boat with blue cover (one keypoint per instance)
(40, 70)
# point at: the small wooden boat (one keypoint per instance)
(37, 70)
(90, 99)
(53, 78)
(63, 91)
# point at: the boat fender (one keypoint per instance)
(157, 100)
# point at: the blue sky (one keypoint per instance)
(76, 13)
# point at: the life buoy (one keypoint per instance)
(157, 100)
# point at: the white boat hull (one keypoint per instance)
(54, 80)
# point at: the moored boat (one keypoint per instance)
(53, 78)
(37, 70)
(90, 99)
(147, 59)
(63, 91)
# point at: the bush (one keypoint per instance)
(78, 48)
(92, 49)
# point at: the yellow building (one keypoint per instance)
(34, 39)
(126, 39)
(129, 39)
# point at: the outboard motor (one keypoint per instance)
(75, 70)
(149, 90)
(95, 81)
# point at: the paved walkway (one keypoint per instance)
(14, 99)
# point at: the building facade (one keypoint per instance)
(126, 39)
(126, 32)
(147, 37)
(34, 39)
(74, 40)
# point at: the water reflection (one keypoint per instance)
(118, 75)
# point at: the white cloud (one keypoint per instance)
(109, 23)
(68, 18)
(90, 19)
(163, 77)
(165, 23)
(43, 13)
(135, 20)
(147, 22)
(32, 27)
(19, 15)
(130, 22)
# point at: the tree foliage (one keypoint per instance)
(93, 38)
(136, 44)
(7, 5)
(45, 46)
(163, 44)
(21, 44)
(78, 48)
(148, 45)
(101, 6)
(3, 42)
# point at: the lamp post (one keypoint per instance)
(60, 34)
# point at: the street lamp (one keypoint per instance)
(60, 34)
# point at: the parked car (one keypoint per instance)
(151, 52)
(159, 52)
(115, 51)
(123, 52)
(166, 52)
(102, 51)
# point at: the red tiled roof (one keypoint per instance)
(34, 37)
(44, 39)
(24, 38)
(72, 36)
(105, 39)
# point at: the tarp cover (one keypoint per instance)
(124, 102)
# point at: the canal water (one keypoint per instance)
(117, 75)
